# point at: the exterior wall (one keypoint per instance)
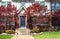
(48, 5)
(0, 3)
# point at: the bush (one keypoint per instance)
(10, 31)
(35, 30)
(44, 29)
(2, 31)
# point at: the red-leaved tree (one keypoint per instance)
(36, 13)
(10, 15)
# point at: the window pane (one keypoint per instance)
(42, 3)
(53, 6)
(3, 3)
(57, 6)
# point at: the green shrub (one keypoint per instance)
(10, 31)
(44, 29)
(35, 30)
(2, 31)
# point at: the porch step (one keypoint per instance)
(22, 31)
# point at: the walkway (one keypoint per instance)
(22, 37)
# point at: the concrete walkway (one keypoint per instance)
(22, 37)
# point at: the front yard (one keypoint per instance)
(5, 36)
(48, 35)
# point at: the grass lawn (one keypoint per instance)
(5, 36)
(48, 35)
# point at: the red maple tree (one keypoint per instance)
(36, 13)
(10, 14)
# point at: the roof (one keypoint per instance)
(21, 11)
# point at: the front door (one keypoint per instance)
(22, 21)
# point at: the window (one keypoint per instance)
(57, 6)
(3, 4)
(53, 6)
(12, 23)
(42, 3)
